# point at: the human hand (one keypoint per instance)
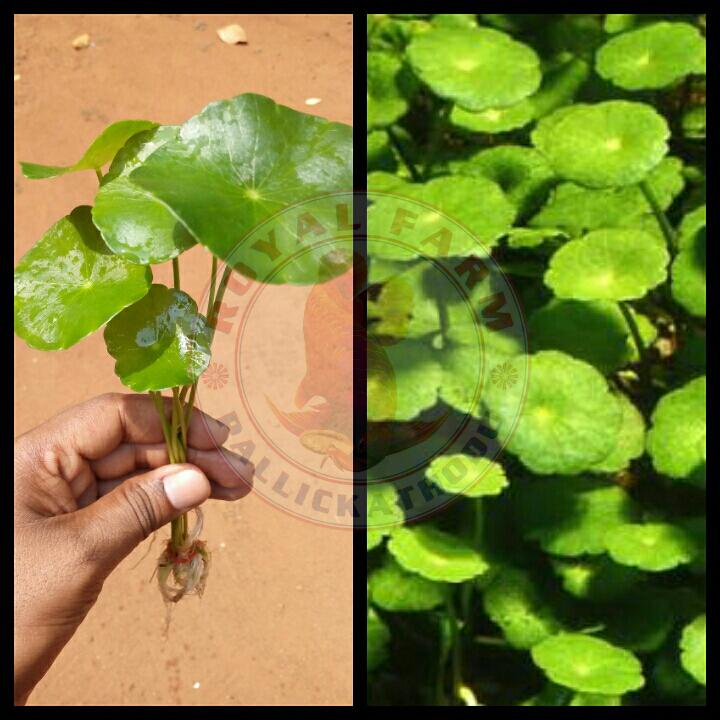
(90, 485)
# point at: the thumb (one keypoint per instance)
(120, 520)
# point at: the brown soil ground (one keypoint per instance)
(275, 625)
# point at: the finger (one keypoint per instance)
(114, 525)
(96, 427)
(217, 492)
(222, 466)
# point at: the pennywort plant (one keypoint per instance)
(570, 571)
(210, 181)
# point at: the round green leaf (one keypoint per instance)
(477, 69)
(512, 601)
(653, 56)
(397, 590)
(436, 555)
(475, 202)
(493, 120)
(101, 152)
(69, 284)
(383, 508)
(522, 173)
(577, 208)
(588, 664)
(595, 332)
(570, 516)
(569, 420)
(689, 275)
(612, 264)
(466, 475)
(402, 380)
(159, 342)
(630, 441)
(676, 442)
(385, 102)
(654, 547)
(239, 163)
(611, 143)
(692, 646)
(134, 223)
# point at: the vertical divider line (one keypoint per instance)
(359, 359)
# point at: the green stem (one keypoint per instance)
(160, 408)
(660, 216)
(644, 370)
(456, 646)
(99, 175)
(414, 173)
(213, 280)
(436, 134)
(176, 273)
(467, 587)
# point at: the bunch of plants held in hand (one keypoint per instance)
(213, 180)
(570, 570)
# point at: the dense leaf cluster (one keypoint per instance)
(570, 568)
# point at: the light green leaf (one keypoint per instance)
(606, 144)
(689, 275)
(403, 309)
(522, 173)
(654, 547)
(477, 69)
(588, 664)
(630, 441)
(652, 57)
(613, 264)
(466, 475)
(383, 508)
(436, 555)
(595, 332)
(159, 342)
(133, 223)
(493, 120)
(569, 419)
(513, 602)
(402, 380)
(432, 231)
(576, 208)
(385, 101)
(69, 284)
(570, 516)
(394, 589)
(676, 441)
(692, 646)
(239, 163)
(101, 152)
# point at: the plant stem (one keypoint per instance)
(467, 587)
(99, 176)
(637, 339)
(211, 294)
(456, 647)
(160, 407)
(414, 174)
(176, 273)
(436, 134)
(660, 216)
(212, 319)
